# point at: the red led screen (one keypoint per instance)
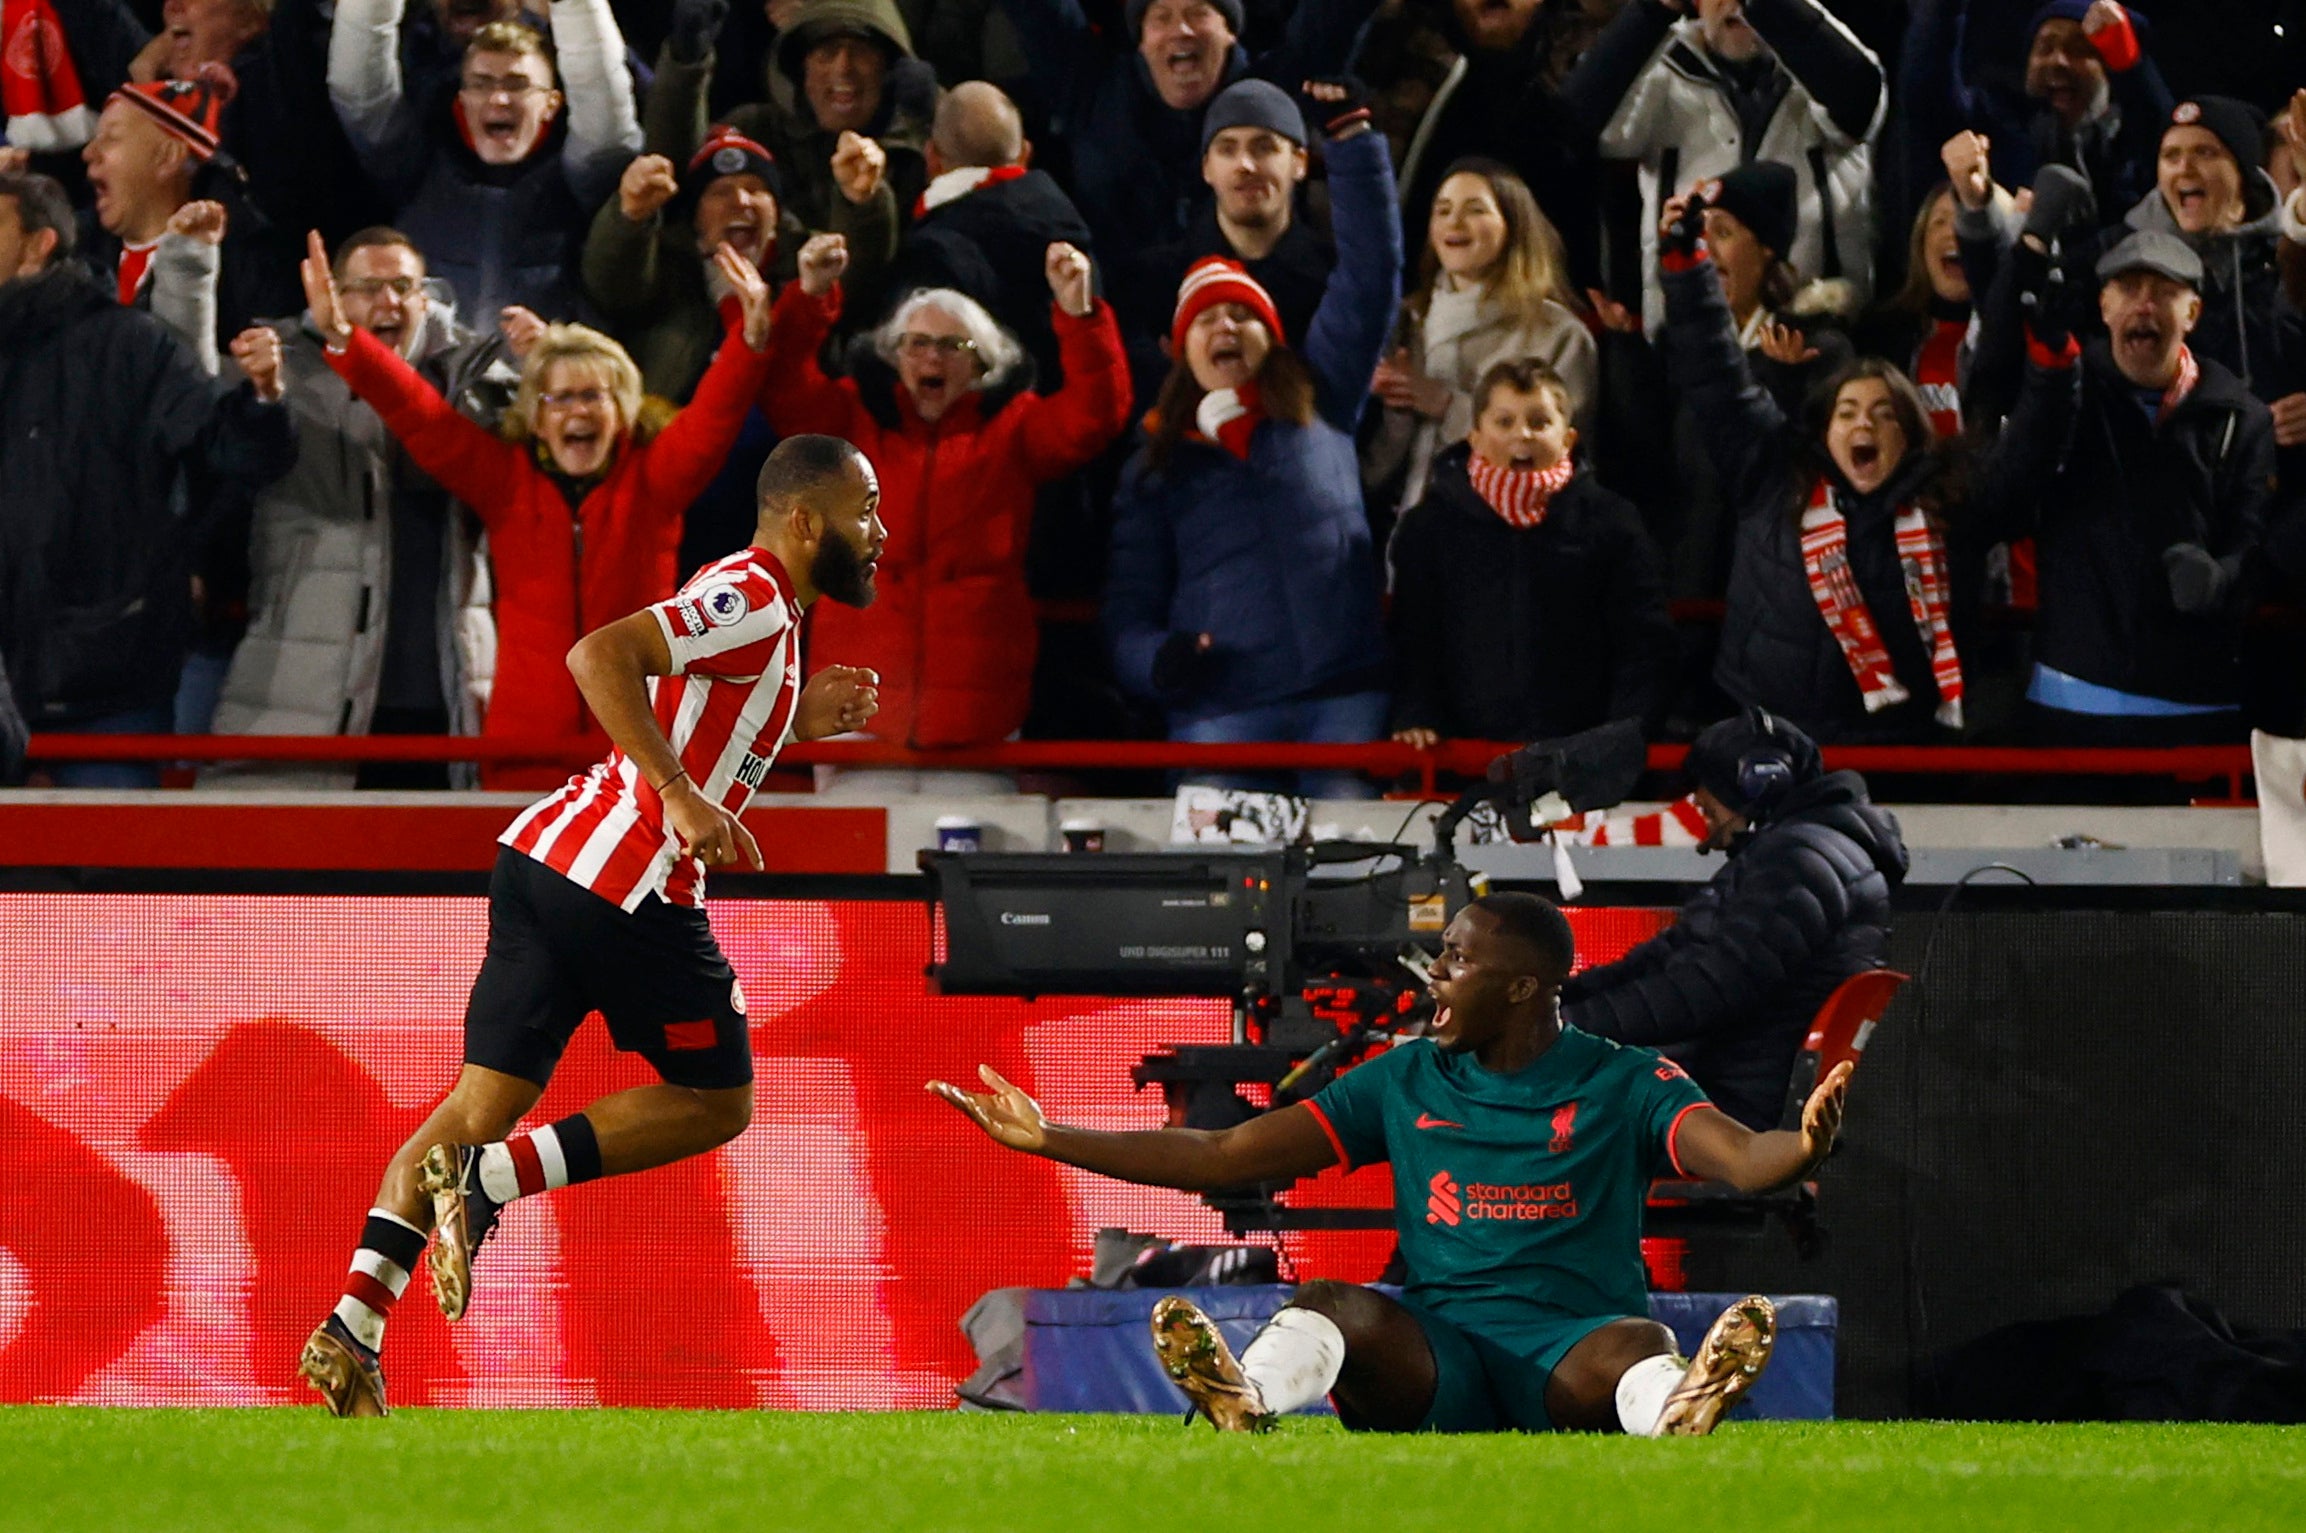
(197, 1094)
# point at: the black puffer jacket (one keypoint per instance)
(1731, 987)
(2126, 490)
(1510, 633)
(111, 438)
(1776, 650)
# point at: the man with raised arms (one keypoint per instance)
(1522, 1150)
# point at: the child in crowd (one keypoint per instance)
(1528, 600)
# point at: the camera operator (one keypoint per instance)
(1729, 990)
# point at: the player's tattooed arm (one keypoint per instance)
(612, 667)
(1277, 1146)
(1713, 1145)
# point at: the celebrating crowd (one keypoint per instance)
(1382, 368)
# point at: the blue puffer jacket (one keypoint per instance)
(1271, 556)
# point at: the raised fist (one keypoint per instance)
(202, 221)
(521, 328)
(647, 185)
(257, 350)
(858, 163)
(1068, 271)
(821, 261)
(1970, 167)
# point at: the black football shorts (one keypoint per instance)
(557, 953)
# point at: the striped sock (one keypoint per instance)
(390, 1247)
(558, 1155)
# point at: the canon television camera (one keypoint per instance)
(1322, 949)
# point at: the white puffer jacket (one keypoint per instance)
(320, 557)
(1677, 121)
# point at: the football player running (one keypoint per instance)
(597, 903)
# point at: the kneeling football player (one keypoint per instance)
(1522, 1152)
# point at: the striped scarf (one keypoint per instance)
(1520, 495)
(2189, 374)
(1937, 373)
(1922, 555)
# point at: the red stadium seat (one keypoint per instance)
(1680, 1206)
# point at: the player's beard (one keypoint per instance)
(839, 571)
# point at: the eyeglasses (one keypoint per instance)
(569, 398)
(915, 343)
(402, 288)
(481, 87)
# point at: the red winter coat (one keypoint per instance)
(951, 632)
(559, 573)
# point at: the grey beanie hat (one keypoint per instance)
(1253, 104)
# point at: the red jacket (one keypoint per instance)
(560, 573)
(951, 632)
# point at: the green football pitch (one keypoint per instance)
(65, 1469)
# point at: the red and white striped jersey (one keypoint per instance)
(735, 636)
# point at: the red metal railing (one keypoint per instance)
(1379, 758)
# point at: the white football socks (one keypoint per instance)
(1294, 1361)
(1643, 1389)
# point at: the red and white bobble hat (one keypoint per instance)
(189, 110)
(1213, 280)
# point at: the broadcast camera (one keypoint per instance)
(1322, 948)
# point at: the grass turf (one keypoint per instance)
(66, 1469)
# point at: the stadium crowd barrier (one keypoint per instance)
(2229, 765)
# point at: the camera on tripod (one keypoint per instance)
(1322, 948)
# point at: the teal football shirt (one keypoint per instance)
(1518, 1197)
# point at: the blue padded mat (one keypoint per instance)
(1089, 1349)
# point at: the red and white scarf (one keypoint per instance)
(1229, 417)
(1519, 495)
(135, 266)
(953, 185)
(39, 89)
(1922, 555)
(1937, 373)
(2189, 374)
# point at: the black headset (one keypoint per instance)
(1765, 773)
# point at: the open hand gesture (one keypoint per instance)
(751, 290)
(2292, 124)
(837, 699)
(858, 164)
(1068, 271)
(320, 294)
(1391, 382)
(1611, 315)
(1006, 1113)
(1822, 1116)
(202, 221)
(1785, 344)
(257, 350)
(647, 185)
(821, 262)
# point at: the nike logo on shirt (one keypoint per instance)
(1428, 1120)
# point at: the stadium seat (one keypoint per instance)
(1844, 1025)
